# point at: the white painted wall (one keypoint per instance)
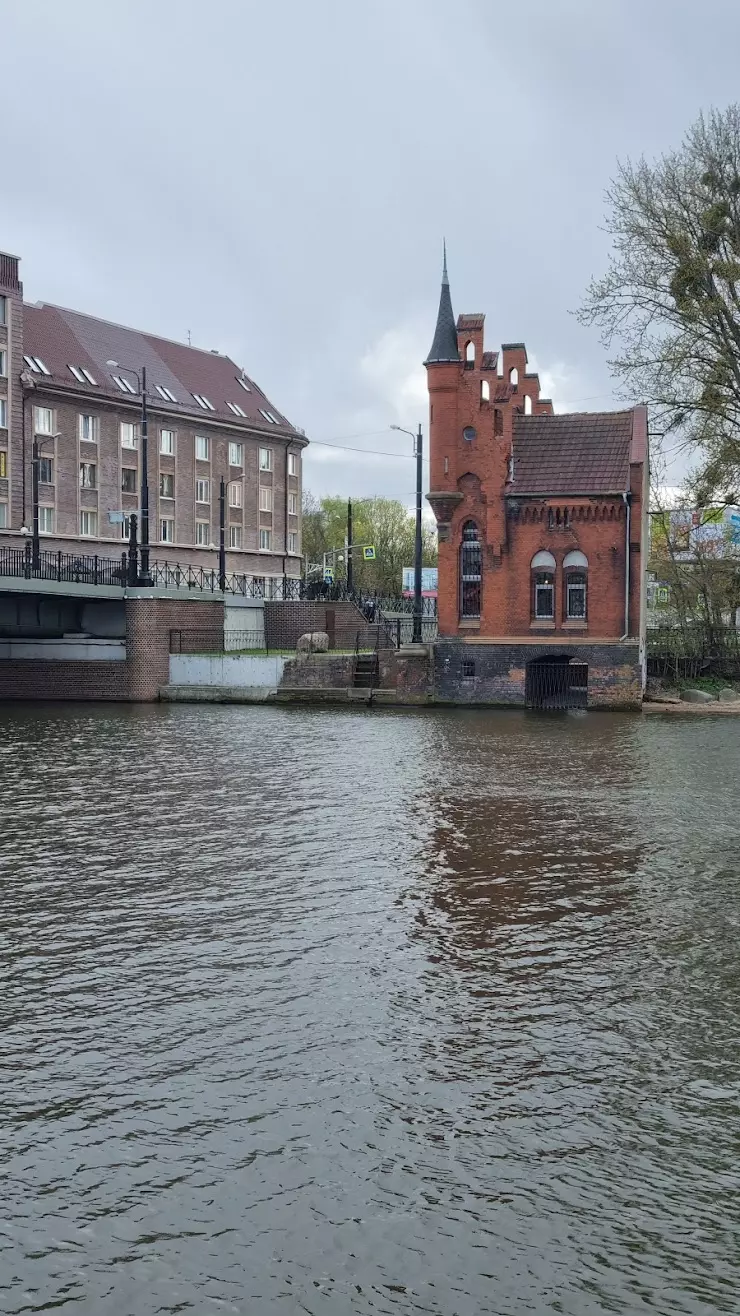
(213, 669)
(71, 650)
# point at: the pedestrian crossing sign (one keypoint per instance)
(368, 552)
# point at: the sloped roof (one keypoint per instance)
(63, 338)
(576, 453)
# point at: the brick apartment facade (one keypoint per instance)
(207, 420)
(542, 525)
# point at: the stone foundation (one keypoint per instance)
(500, 670)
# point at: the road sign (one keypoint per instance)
(328, 576)
(368, 552)
(115, 518)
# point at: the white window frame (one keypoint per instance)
(268, 416)
(77, 373)
(3, 363)
(206, 442)
(87, 438)
(203, 533)
(265, 540)
(241, 380)
(88, 376)
(46, 412)
(135, 490)
(293, 542)
(3, 309)
(167, 475)
(31, 364)
(237, 410)
(91, 517)
(3, 516)
(164, 536)
(93, 466)
(292, 463)
(265, 459)
(168, 452)
(266, 498)
(292, 504)
(3, 414)
(203, 491)
(46, 513)
(128, 428)
(46, 457)
(236, 454)
(236, 494)
(126, 527)
(235, 533)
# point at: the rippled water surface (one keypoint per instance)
(352, 1014)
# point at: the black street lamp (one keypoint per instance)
(416, 636)
(145, 577)
(35, 537)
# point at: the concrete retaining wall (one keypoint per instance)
(213, 670)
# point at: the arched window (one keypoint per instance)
(528, 405)
(470, 354)
(514, 377)
(485, 391)
(575, 569)
(470, 571)
(543, 586)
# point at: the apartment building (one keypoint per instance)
(72, 383)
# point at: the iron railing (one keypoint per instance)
(75, 568)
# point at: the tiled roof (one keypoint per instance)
(63, 338)
(580, 453)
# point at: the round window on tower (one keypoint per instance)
(469, 433)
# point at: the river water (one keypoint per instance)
(357, 1013)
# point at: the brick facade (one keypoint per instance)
(538, 493)
(343, 622)
(62, 339)
(499, 672)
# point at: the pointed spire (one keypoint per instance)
(444, 347)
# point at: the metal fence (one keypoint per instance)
(74, 568)
(685, 652)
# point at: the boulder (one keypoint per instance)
(696, 697)
(313, 642)
(728, 695)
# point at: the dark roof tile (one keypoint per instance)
(579, 453)
(63, 338)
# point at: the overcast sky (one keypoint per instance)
(276, 177)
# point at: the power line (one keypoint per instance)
(372, 452)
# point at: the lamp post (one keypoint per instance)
(145, 577)
(416, 636)
(35, 538)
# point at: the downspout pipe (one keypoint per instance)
(627, 499)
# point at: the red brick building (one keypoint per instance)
(542, 522)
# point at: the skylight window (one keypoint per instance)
(234, 406)
(166, 393)
(268, 416)
(274, 419)
(200, 401)
(77, 373)
(35, 364)
(123, 384)
(208, 403)
(88, 376)
(241, 380)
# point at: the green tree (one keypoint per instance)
(383, 522)
(670, 300)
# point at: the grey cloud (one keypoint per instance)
(277, 180)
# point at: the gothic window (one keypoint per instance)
(470, 571)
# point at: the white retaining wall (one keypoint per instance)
(215, 669)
